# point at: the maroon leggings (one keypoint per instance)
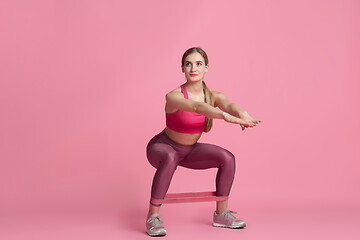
(165, 155)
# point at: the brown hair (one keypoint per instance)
(207, 92)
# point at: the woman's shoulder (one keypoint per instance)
(214, 92)
(217, 96)
(172, 97)
(174, 92)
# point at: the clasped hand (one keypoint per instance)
(245, 120)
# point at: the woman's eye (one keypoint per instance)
(188, 64)
(199, 64)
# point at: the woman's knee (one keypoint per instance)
(169, 160)
(228, 159)
(162, 155)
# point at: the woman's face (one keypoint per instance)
(194, 67)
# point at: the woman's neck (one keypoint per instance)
(194, 87)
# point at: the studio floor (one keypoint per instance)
(191, 221)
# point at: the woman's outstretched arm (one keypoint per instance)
(221, 101)
(176, 101)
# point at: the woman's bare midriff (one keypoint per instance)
(182, 138)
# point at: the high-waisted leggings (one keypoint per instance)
(165, 154)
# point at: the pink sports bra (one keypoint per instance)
(185, 122)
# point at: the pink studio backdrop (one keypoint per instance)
(83, 84)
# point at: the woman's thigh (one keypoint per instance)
(160, 152)
(205, 155)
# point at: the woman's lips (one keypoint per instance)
(193, 75)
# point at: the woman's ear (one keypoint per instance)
(182, 68)
(206, 68)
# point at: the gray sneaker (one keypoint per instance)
(226, 219)
(154, 226)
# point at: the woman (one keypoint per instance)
(189, 110)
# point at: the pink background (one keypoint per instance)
(82, 91)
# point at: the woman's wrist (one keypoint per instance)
(242, 114)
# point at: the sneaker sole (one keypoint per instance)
(156, 235)
(226, 226)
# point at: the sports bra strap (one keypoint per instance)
(183, 88)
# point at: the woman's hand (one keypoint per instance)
(245, 121)
(251, 122)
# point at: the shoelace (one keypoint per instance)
(157, 222)
(228, 214)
